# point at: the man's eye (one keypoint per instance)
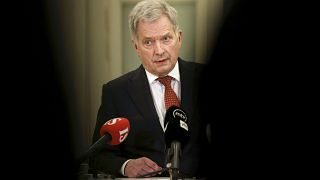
(167, 39)
(148, 42)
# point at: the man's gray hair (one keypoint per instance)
(149, 11)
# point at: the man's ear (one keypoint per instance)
(180, 37)
(134, 44)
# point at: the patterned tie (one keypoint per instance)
(170, 97)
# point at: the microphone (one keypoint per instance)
(176, 137)
(113, 132)
(176, 126)
(116, 130)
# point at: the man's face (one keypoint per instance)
(157, 45)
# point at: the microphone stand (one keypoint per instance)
(173, 159)
(90, 155)
(172, 162)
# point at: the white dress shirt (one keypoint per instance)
(157, 91)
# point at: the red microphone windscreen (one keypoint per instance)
(118, 128)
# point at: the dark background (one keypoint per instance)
(258, 90)
(259, 95)
(41, 142)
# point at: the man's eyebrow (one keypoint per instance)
(148, 38)
(167, 34)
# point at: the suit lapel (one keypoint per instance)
(187, 88)
(140, 93)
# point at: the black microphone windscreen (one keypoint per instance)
(176, 126)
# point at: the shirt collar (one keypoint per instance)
(173, 73)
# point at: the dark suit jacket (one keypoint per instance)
(129, 96)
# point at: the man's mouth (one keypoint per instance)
(161, 60)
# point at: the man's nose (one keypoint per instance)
(158, 48)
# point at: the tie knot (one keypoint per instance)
(166, 80)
